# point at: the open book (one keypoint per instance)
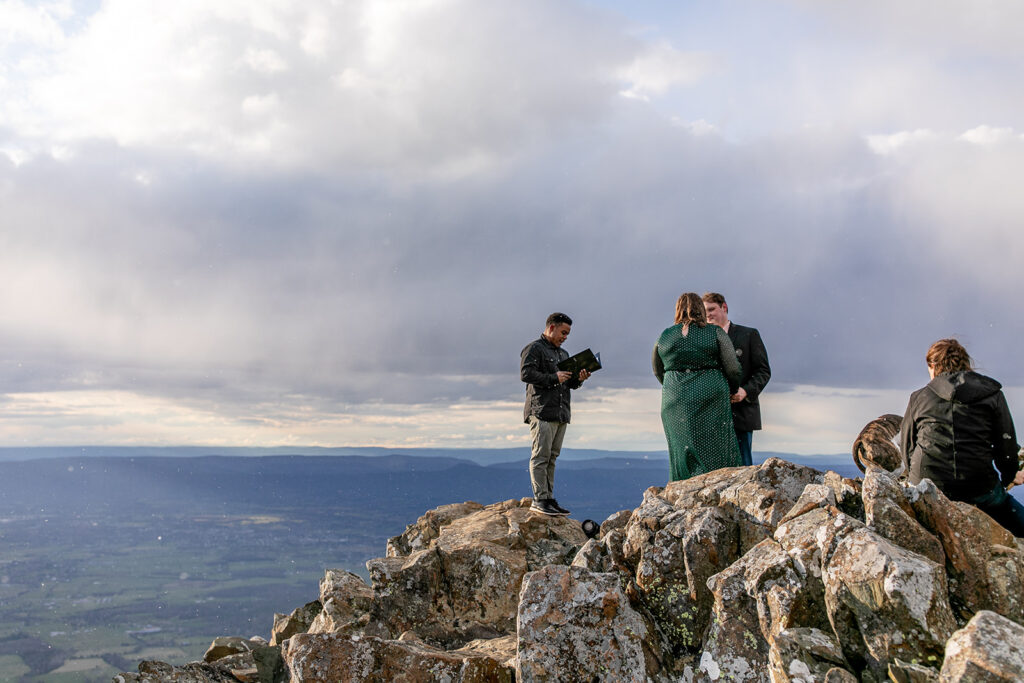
(584, 360)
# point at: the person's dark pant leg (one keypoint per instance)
(1013, 519)
(746, 442)
(1004, 508)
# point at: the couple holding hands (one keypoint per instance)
(712, 372)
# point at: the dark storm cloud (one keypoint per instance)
(353, 288)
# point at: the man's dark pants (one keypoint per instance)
(746, 442)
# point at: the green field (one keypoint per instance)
(83, 599)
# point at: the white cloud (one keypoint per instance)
(15, 155)
(987, 135)
(860, 66)
(35, 23)
(699, 127)
(960, 201)
(261, 105)
(627, 419)
(127, 418)
(888, 144)
(805, 420)
(662, 67)
(265, 62)
(417, 88)
(813, 420)
(949, 25)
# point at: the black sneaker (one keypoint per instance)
(561, 510)
(545, 506)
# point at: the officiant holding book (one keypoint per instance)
(547, 406)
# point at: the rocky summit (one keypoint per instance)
(774, 573)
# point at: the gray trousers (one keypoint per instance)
(547, 444)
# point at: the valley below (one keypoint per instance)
(106, 561)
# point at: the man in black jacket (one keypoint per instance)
(753, 358)
(547, 407)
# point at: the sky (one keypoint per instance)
(338, 222)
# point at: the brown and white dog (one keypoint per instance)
(875, 445)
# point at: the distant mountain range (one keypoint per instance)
(481, 456)
(592, 483)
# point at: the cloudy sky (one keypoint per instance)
(337, 222)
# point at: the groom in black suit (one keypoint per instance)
(753, 358)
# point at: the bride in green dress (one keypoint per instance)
(697, 367)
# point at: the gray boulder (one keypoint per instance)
(886, 602)
(990, 649)
(227, 646)
(804, 655)
(464, 584)
(339, 658)
(346, 604)
(984, 563)
(888, 511)
(299, 621)
(577, 625)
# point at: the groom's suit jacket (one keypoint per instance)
(753, 358)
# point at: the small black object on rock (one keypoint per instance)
(590, 528)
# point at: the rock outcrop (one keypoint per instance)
(577, 622)
(771, 573)
(990, 648)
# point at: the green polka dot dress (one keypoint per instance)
(695, 410)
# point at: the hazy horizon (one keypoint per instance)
(10, 453)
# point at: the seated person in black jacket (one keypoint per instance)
(958, 432)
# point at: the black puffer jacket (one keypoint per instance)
(546, 399)
(955, 429)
